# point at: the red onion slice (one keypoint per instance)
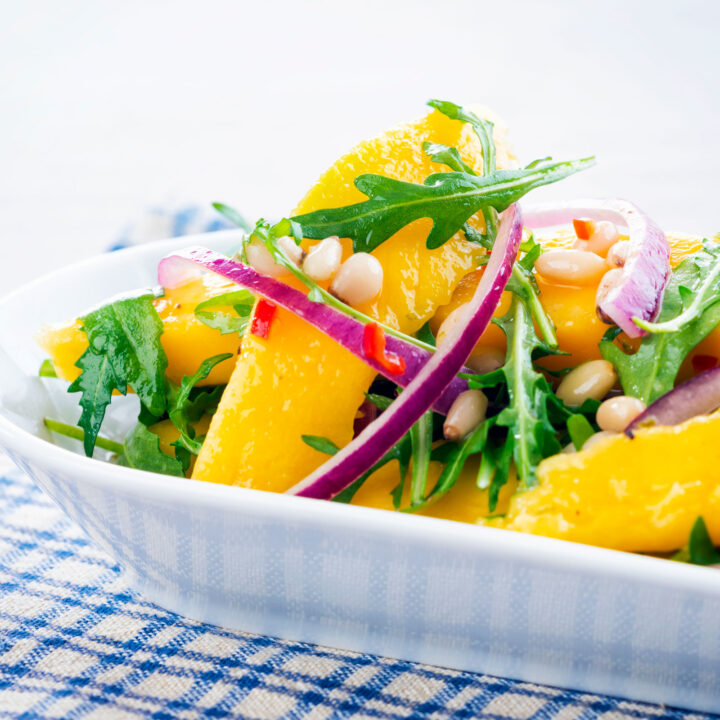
(377, 439)
(639, 291)
(179, 268)
(698, 396)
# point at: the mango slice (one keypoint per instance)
(639, 494)
(298, 381)
(572, 310)
(186, 340)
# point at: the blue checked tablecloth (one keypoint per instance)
(75, 642)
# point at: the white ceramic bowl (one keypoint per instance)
(412, 587)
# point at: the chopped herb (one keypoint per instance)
(321, 444)
(700, 549)
(580, 430)
(214, 312)
(123, 350)
(47, 369)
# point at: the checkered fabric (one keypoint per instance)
(75, 643)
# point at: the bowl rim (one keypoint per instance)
(552, 552)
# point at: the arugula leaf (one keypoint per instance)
(446, 155)
(123, 350)
(425, 334)
(142, 452)
(701, 298)
(320, 443)
(700, 549)
(650, 372)
(182, 410)
(421, 447)
(449, 199)
(241, 301)
(482, 128)
(77, 433)
(233, 216)
(400, 452)
(47, 369)
(580, 430)
(529, 428)
(141, 449)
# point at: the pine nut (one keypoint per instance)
(617, 413)
(466, 413)
(456, 316)
(604, 236)
(598, 437)
(259, 257)
(592, 379)
(617, 255)
(359, 279)
(571, 267)
(486, 361)
(323, 261)
(609, 281)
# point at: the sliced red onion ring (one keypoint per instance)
(698, 396)
(179, 268)
(377, 439)
(647, 268)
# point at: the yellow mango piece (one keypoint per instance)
(640, 494)
(464, 503)
(186, 340)
(298, 381)
(572, 310)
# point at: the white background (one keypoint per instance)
(108, 108)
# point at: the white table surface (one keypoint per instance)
(107, 108)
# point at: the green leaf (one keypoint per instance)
(651, 371)
(321, 444)
(380, 401)
(700, 549)
(47, 369)
(526, 416)
(580, 430)
(183, 410)
(142, 452)
(482, 128)
(241, 301)
(426, 335)
(77, 433)
(446, 155)
(233, 216)
(123, 350)
(421, 444)
(449, 199)
(400, 452)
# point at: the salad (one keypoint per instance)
(414, 338)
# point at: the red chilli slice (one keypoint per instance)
(358, 456)
(584, 228)
(374, 348)
(701, 363)
(262, 318)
